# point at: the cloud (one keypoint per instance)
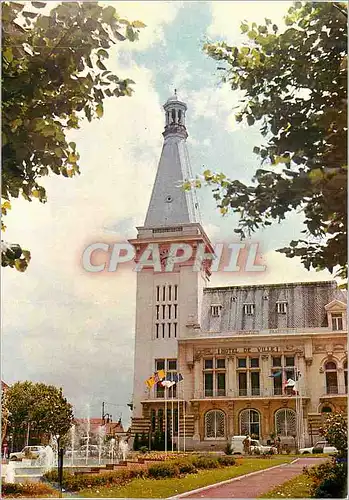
(227, 17)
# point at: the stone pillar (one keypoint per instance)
(196, 413)
(198, 378)
(266, 423)
(230, 419)
(265, 372)
(230, 377)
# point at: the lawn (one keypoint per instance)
(164, 488)
(298, 487)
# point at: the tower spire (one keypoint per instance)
(169, 203)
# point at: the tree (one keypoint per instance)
(335, 431)
(136, 442)
(54, 74)
(295, 87)
(38, 407)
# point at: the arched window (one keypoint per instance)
(215, 424)
(173, 116)
(331, 378)
(179, 116)
(285, 422)
(345, 366)
(326, 409)
(249, 423)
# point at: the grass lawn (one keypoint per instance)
(298, 487)
(164, 488)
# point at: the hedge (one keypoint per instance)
(170, 468)
(27, 490)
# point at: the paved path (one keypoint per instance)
(254, 484)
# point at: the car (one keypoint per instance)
(261, 449)
(27, 452)
(319, 447)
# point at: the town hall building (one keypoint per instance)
(262, 360)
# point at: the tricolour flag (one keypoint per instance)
(154, 379)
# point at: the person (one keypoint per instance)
(246, 445)
(278, 445)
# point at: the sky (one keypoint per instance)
(63, 326)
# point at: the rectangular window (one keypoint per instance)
(159, 364)
(216, 310)
(208, 381)
(163, 312)
(220, 380)
(157, 312)
(169, 312)
(208, 364)
(220, 363)
(255, 387)
(242, 384)
(281, 307)
(278, 384)
(249, 309)
(242, 363)
(175, 329)
(176, 292)
(157, 293)
(169, 330)
(163, 330)
(163, 293)
(254, 362)
(157, 330)
(289, 361)
(175, 311)
(172, 364)
(337, 321)
(169, 292)
(276, 361)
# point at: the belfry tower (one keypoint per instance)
(168, 304)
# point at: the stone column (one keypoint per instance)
(264, 374)
(198, 378)
(230, 377)
(230, 419)
(266, 427)
(196, 413)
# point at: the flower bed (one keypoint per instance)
(27, 490)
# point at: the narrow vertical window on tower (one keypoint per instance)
(166, 311)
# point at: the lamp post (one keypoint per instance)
(59, 464)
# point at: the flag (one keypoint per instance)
(179, 377)
(290, 383)
(275, 374)
(159, 375)
(167, 383)
(150, 382)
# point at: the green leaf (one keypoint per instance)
(99, 110)
(244, 27)
(38, 5)
(138, 24)
(103, 53)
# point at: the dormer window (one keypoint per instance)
(216, 310)
(281, 307)
(249, 309)
(337, 321)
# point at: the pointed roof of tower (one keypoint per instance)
(170, 204)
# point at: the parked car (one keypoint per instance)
(27, 452)
(261, 449)
(320, 447)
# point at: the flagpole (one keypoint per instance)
(183, 422)
(172, 426)
(178, 416)
(165, 421)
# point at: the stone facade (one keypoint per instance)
(235, 347)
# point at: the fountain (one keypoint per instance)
(101, 436)
(112, 449)
(47, 459)
(123, 447)
(72, 440)
(9, 470)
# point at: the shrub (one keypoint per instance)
(186, 466)
(335, 430)
(143, 449)
(203, 462)
(163, 470)
(27, 490)
(76, 482)
(329, 480)
(228, 449)
(226, 461)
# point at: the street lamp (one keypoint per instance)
(59, 464)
